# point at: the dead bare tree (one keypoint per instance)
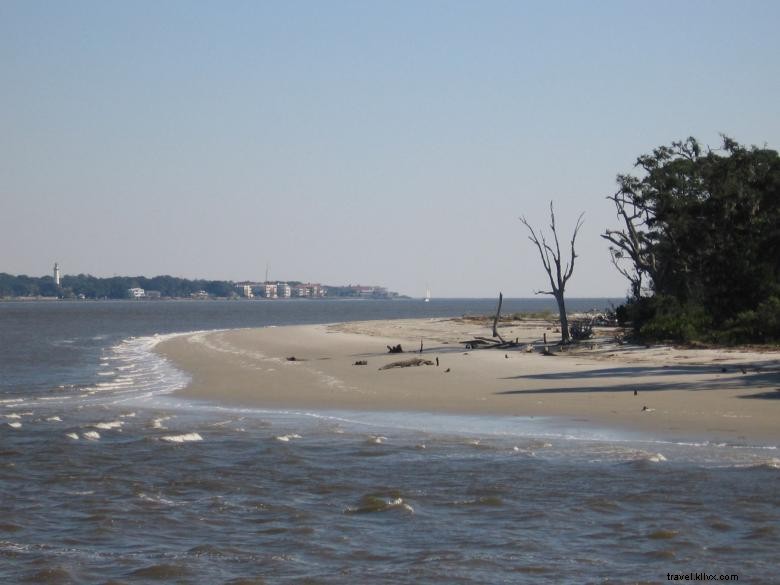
(632, 243)
(551, 260)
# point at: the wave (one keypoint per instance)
(184, 438)
(108, 425)
(772, 463)
(371, 504)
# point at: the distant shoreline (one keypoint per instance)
(189, 299)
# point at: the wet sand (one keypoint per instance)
(713, 394)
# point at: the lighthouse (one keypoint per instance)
(56, 274)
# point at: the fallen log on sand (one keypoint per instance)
(407, 363)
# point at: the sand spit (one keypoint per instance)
(719, 395)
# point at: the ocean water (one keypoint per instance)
(107, 476)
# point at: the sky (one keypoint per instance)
(393, 143)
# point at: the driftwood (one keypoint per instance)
(395, 349)
(491, 343)
(361, 363)
(488, 343)
(407, 363)
(498, 315)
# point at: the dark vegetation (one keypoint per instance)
(114, 287)
(700, 244)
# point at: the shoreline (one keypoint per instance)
(721, 395)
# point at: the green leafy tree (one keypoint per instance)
(701, 228)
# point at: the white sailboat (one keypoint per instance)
(427, 294)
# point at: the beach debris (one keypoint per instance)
(496, 342)
(581, 329)
(547, 351)
(421, 345)
(487, 343)
(361, 363)
(498, 315)
(292, 358)
(395, 349)
(407, 363)
(742, 368)
(635, 392)
(437, 362)
(447, 371)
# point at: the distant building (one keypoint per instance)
(136, 293)
(200, 295)
(153, 294)
(283, 290)
(57, 275)
(309, 291)
(269, 290)
(246, 290)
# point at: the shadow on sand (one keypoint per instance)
(650, 379)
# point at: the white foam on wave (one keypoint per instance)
(53, 419)
(286, 438)
(108, 425)
(771, 463)
(15, 425)
(91, 435)
(399, 503)
(158, 422)
(156, 499)
(73, 436)
(144, 373)
(184, 438)
(12, 415)
(131, 371)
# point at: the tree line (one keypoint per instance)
(115, 287)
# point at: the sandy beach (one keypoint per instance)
(725, 395)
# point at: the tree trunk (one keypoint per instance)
(564, 320)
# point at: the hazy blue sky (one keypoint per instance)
(391, 143)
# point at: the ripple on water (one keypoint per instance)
(370, 504)
(163, 571)
(663, 534)
(49, 575)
